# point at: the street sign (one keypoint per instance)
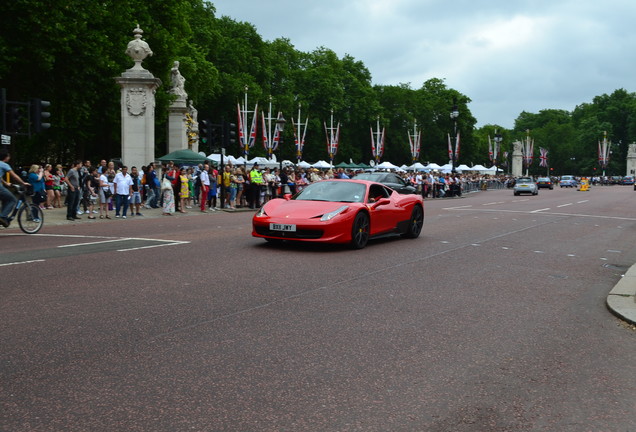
(6, 139)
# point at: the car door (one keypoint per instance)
(384, 217)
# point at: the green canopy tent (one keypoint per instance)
(185, 157)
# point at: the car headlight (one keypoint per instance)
(261, 212)
(333, 214)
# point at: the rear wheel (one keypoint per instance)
(415, 224)
(360, 231)
(30, 218)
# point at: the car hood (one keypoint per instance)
(280, 208)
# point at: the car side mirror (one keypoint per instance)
(381, 202)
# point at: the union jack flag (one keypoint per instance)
(543, 157)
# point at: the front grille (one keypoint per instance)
(299, 234)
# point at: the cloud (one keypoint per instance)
(507, 57)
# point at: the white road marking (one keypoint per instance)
(581, 202)
(564, 205)
(540, 210)
(93, 243)
(21, 262)
(451, 208)
(152, 246)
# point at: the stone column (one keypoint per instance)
(517, 160)
(631, 160)
(138, 87)
(177, 136)
(177, 128)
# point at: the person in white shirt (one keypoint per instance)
(205, 186)
(123, 191)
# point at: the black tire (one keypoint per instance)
(516, 193)
(360, 231)
(30, 218)
(415, 223)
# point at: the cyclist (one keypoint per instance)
(6, 196)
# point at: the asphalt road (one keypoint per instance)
(493, 320)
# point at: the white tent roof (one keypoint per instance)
(463, 167)
(227, 159)
(386, 165)
(433, 165)
(321, 164)
(479, 168)
(303, 164)
(416, 167)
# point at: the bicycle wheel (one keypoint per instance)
(30, 218)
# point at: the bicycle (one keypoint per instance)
(30, 216)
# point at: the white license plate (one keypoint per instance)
(282, 227)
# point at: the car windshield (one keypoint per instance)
(371, 176)
(543, 179)
(333, 191)
(567, 178)
(524, 180)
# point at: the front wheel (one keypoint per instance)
(415, 223)
(30, 218)
(360, 231)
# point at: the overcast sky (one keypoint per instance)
(507, 56)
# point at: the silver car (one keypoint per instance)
(525, 185)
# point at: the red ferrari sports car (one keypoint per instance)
(340, 211)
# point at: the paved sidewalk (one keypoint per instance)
(621, 300)
(57, 216)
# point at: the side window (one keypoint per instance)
(376, 192)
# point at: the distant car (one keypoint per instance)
(568, 181)
(389, 179)
(628, 180)
(525, 185)
(545, 182)
(616, 180)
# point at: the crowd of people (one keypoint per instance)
(101, 190)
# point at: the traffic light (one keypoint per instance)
(230, 134)
(204, 132)
(39, 115)
(15, 119)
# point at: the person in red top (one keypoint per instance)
(173, 175)
(48, 186)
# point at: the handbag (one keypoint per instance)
(107, 193)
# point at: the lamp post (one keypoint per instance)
(453, 115)
(280, 125)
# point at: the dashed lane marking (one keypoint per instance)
(104, 244)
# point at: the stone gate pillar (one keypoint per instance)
(138, 87)
(631, 160)
(517, 159)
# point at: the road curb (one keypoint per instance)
(621, 300)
